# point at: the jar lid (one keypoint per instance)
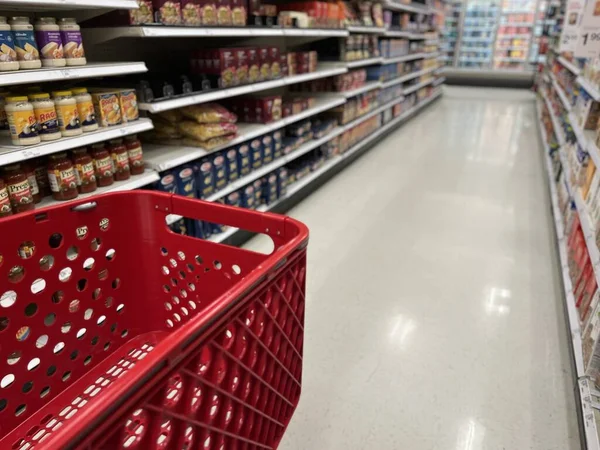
(41, 96)
(58, 156)
(20, 98)
(61, 93)
(19, 19)
(79, 150)
(79, 90)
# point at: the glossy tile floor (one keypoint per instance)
(434, 318)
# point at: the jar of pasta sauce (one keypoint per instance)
(84, 171)
(5, 208)
(41, 177)
(120, 158)
(136, 157)
(33, 185)
(18, 188)
(61, 175)
(103, 165)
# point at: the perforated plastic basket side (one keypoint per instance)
(137, 304)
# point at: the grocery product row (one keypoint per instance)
(488, 34)
(218, 177)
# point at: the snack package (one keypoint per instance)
(209, 144)
(167, 12)
(191, 13)
(206, 131)
(204, 113)
(171, 116)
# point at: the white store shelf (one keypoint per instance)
(573, 317)
(369, 86)
(327, 70)
(558, 131)
(14, 153)
(416, 87)
(560, 92)
(568, 65)
(593, 91)
(164, 157)
(330, 164)
(70, 4)
(414, 56)
(398, 34)
(365, 29)
(589, 420)
(364, 62)
(439, 81)
(407, 77)
(135, 182)
(98, 35)
(91, 70)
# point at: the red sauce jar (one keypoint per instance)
(61, 175)
(18, 188)
(136, 156)
(120, 158)
(31, 179)
(41, 176)
(102, 165)
(84, 171)
(5, 208)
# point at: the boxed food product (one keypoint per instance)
(227, 67)
(186, 181)
(191, 13)
(248, 199)
(282, 181)
(266, 109)
(143, 15)
(208, 10)
(233, 199)
(219, 171)
(242, 65)
(256, 153)
(258, 192)
(167, 12)
(224, 12)
(277, 144)
(202, 230)
(265, 63)
(244, 159)
(274, 60)
(253, 65)
(269, 188)
(107, 108)
(167, 183)
(129, 105)
(231, 162)
(204, 177)
(268, 150)
(239, 14)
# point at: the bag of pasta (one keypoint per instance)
(210, 144)
(208, 113)
(206, 131)
(171, 116)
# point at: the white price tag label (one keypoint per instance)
(588, 43)
(66, 73)
(31, 153)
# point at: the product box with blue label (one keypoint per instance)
(269, 188)
(277, 144)
(204, 177)
(231, 163)
(257, 192)
(248, 199)
(167, 182)
(202, 230)
(256, 153)
(183, 226)
(216, 228)
(268, 150)
(219, 171)
(233, 199)
(244, 161)
(282, 182)
(186, 181)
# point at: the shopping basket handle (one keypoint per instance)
(274, 225)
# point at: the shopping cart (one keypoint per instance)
(116, 333)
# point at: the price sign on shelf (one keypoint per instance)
(588, 40)
(572, 21)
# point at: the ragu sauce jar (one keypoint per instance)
(134, 152)
(120, 158)
(61, 175)
(102, 165)
(84, 171)
(18, 188)
(5, 208)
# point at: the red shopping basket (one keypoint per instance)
(116, 333)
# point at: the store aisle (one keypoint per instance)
(434, 316)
